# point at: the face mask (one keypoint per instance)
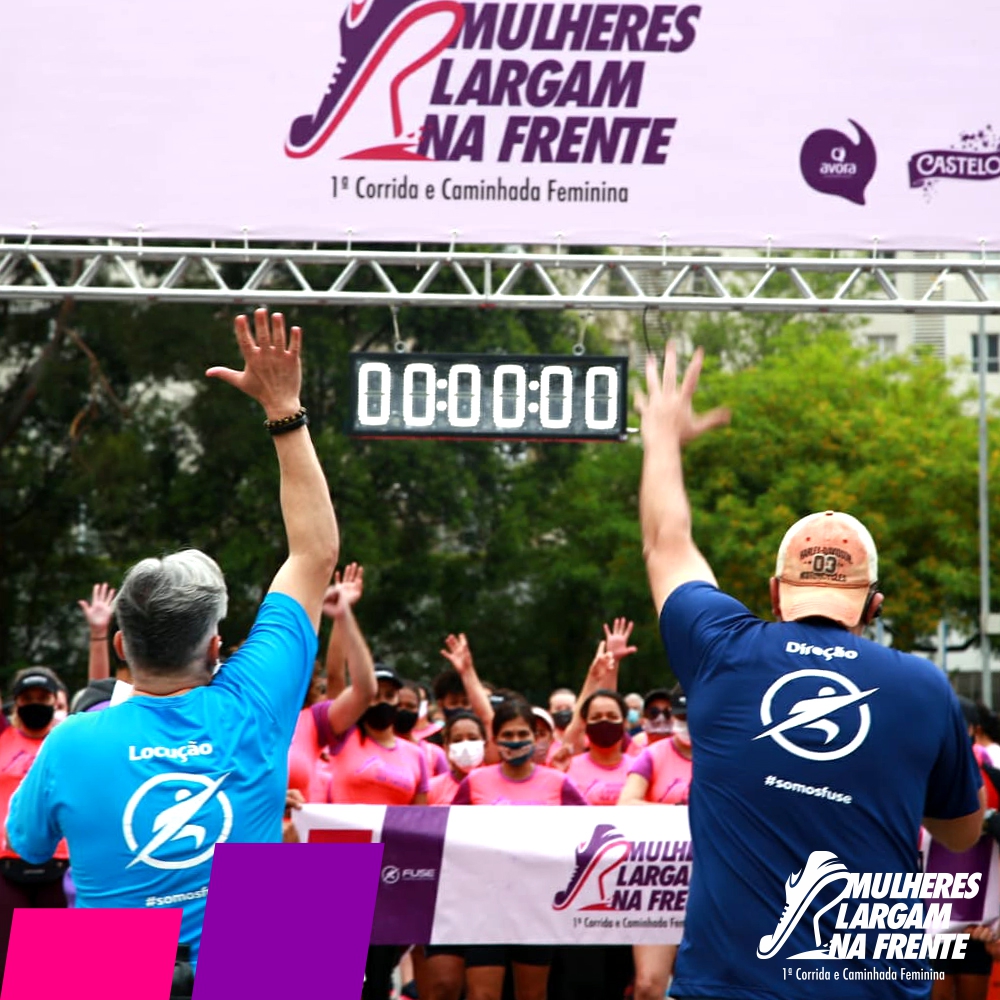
(541, 750)
(659, 726)
(517, 752)
(634, 717)
(562, 718)
(406, 719)
(380, 716)
(681, 733)
(59, 715)
(35, 716)
(450, 713)
(467, 754)
(605, 734)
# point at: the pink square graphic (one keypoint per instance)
(92, 954)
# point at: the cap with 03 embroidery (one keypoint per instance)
(826, 567)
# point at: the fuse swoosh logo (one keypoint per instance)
(196, 797)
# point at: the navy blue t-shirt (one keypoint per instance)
(816, 754)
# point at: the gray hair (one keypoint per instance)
(168, 609)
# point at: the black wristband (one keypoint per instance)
(286, 424)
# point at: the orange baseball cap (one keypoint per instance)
(827, 564)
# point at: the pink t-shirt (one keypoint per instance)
(367, 773)
(545, 786)
(599, 784)
(306, 768)
(437, 759)
(17, 754)
(668, 773)
(441, 789)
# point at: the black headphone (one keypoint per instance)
(872, 591)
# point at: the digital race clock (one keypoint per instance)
(554, 397)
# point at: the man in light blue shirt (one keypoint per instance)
(143, 792)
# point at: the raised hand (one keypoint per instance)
(352, 584)
(273, 364)
(560, 760)
(616, 639)
(98, 612)
(603, 667)
(667, 409)
(336, 602)
(458, 653)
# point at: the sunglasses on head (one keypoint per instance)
(654, 713)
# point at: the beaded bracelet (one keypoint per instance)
(286, 424)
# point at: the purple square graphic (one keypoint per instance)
(976, 859)
(288, 918)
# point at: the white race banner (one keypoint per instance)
(717, 123)
(520, 874)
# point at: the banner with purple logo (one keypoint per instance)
(707, 123)
(519, 874)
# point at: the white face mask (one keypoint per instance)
(681, 733)
(660, 726)
(467, 754)
(58, 715)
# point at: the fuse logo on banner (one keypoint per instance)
(619, 875)
(502, 56)
(977, 158)
(831, 163)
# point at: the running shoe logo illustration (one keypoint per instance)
(826, 694)
(171, 816)
(606, 850)
(822, 868)
(370, 32)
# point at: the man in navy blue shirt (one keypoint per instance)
(818, 754)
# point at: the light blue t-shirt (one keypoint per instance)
(816, 754)
(144, 791)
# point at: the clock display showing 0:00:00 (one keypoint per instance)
(488, 396)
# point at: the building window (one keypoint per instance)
(884, 344)
(992, 352)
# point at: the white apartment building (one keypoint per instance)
(950, 338)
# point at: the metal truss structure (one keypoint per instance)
(851, 283)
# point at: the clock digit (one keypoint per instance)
(455, 395)
(410, 373)
(562, 397)
(499, 395)
(607, 399)
(366, 393)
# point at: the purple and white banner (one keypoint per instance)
(519, 874)
(983, 858)
(708, 123)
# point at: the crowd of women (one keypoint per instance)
(385, 740)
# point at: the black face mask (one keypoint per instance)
(406, 719)
(605, 734)
(450, 713)
(380, 716)
(35, 716)
(562, 718)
